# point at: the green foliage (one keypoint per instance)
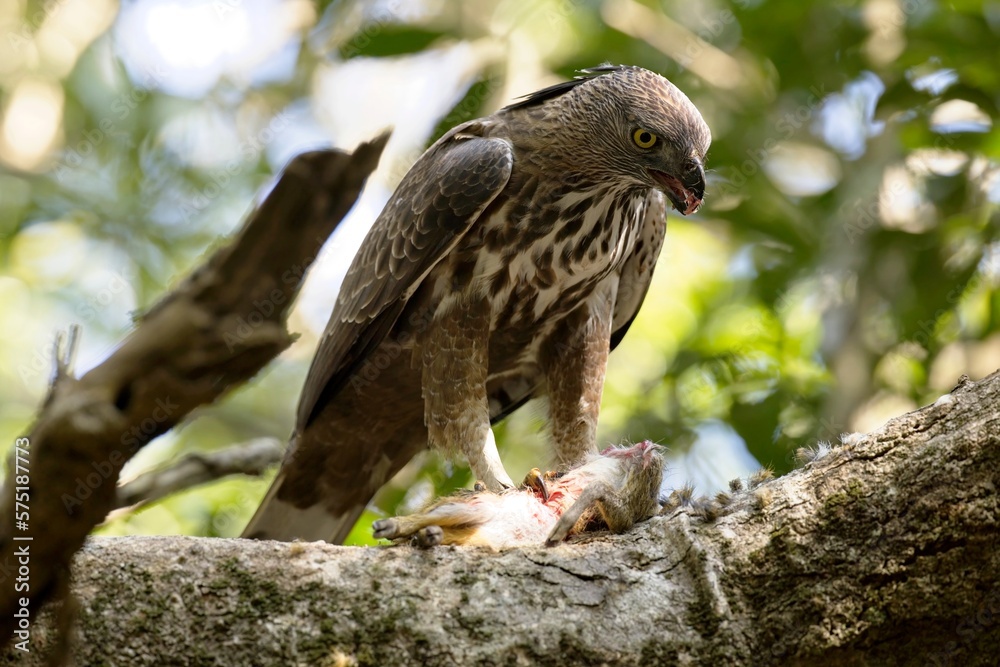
(844, 268)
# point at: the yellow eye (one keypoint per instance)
(643, 138)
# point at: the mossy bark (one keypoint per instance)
(884, 552)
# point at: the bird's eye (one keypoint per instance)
(644, 138)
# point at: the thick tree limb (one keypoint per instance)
(214, 331)
(882, 552)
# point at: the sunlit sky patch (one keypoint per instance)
(846, 120)
(31, 122)
(187, 47)
(936, 161)
(184, 47)
(960, 116)
(718, 455)
(935, 82)
(354, 101)
(991, 185)
(802, 170)
(901, 201)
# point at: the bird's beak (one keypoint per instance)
(686, 192)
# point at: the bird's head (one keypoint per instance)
(631, 125)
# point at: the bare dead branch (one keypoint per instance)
(249, 458)
(214, 331)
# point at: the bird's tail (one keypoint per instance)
(279, 520)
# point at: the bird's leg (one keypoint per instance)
(455, 364)
(485, 461)
(575, 361)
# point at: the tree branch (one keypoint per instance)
(248, 458)
(883, 551)
(216, 330)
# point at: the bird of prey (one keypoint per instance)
(512, 257)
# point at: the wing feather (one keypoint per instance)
(436, 203)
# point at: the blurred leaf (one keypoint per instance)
(381, 41)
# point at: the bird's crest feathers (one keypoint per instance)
(558, 89)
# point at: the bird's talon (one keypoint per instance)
(535, 480)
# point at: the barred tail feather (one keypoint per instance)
(279, 520)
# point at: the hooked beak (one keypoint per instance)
(685, 193)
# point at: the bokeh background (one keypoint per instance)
(843, 270)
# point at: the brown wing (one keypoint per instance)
(436, 203)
